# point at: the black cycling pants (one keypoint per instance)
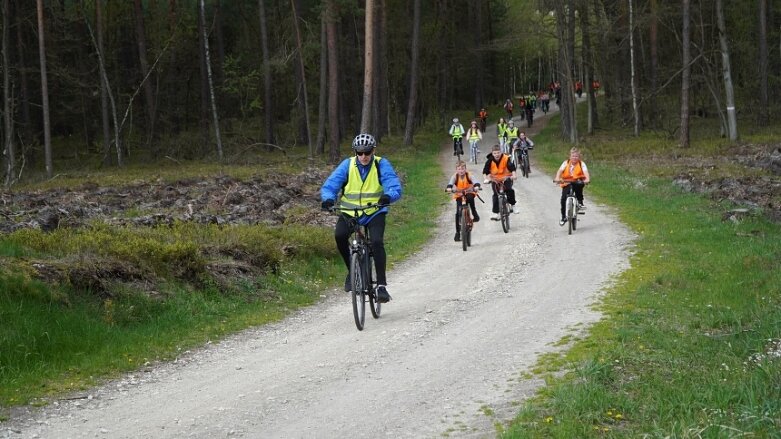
(376, 234)
(508, 189)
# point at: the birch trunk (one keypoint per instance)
(10, 149)
(732, 122)
(632, 69)
(215, 118)
(686, 74)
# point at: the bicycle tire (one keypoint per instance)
(504, 212)
(464, 229)
(526, 167)
(374, 305)
(358, 295)
(570, 215)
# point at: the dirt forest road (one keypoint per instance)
(446, 357)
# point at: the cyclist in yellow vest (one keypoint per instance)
(363, 179)
(457, 132)
(510, 135)
(474, 136)
(570, 170)
(501, 126)
(497, 167)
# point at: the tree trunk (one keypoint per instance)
(686, 74)
(47, 136)
(380, 110)
(588, 68)
(145, 76)
(763, 64)
(323, 100)
(104, 110)
(215, 118)
(368, 70)
(653, 35)
(732, 123)
(303, 100)
(565, 23)
(203, 119)
(478, 39)
(267, 83)
(8, 111)
(333, 80)
(24, 92)
(633, 79)
(409, 127)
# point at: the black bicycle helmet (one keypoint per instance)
(364, 143)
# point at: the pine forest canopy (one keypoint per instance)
(111, 81)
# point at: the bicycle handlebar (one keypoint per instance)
(579, 181)
(358, 209)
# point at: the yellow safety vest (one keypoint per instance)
(512, 133)
(358, 192)
(474, 134)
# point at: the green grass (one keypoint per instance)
(61, 339)
(689, 344)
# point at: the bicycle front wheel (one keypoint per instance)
(505, 215)
(359, 302)
(464, 226)
(570, 214)
(526, 167)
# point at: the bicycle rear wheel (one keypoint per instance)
(374, 305)
(505, 214)
(359, 297)
(464, 229)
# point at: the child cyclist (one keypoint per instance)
(460, 181)
(573, 169)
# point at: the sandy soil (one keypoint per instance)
(446, 357)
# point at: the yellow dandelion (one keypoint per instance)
(619, 416)
(549, 419)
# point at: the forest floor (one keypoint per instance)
(274, 200)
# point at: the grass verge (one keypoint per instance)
(690, 342)
(61, 339)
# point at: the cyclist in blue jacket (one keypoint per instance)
(362, 180)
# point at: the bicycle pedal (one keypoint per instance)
(581, 213)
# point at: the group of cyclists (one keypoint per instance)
(365, 179)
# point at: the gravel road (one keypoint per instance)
(447, 356)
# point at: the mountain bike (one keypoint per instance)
(362, 274)
(571, 207)
(521, 155)
(466, 222)
(504, 205)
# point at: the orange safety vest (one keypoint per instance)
(499, 170)
(483, 114)
(575, 174)
(463, 183)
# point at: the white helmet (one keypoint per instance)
(455, 120)
(511, 123)
(364, 143)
